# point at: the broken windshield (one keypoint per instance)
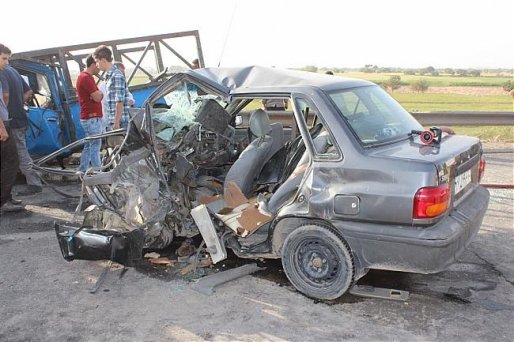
(374, 116)
(183, 102)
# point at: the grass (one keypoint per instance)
(431, 102)
(487, 133)
(433, 81)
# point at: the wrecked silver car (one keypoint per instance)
(344, 181)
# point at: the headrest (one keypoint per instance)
(259, 123)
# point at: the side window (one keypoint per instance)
(282, 120)
(320, 135)
(278, 109)
(309, 113)
(39, 85)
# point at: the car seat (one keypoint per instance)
(251, 161)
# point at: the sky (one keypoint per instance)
(283, 33)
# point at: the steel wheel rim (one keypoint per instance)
(317, 263)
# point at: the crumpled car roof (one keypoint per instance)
(250, 77)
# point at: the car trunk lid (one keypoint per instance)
(456, 159)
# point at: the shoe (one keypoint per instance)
(30, 190)
(15, 201)
(8, 207)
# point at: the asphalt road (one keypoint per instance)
(45, 298)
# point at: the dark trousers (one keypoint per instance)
(8, 167)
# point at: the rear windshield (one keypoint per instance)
(374, 115)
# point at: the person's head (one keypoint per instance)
(329, 72)
(103, 57)
(91, 66)
(5, 53)
(120, 66)
(195, 63)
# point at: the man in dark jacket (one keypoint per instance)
(8, 154)
(17, 94)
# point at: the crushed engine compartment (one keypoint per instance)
(151, 185)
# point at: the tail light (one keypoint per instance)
(431, 201)
(481, 169)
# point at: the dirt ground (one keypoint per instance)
(45, 298)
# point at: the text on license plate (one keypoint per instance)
(462, 180)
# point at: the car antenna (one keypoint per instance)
(228, 32)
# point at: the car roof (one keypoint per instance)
(262, 79)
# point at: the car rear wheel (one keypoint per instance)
(318, 262)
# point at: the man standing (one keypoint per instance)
(15, 97)
(90, 100)
(8, 155)
(103, 89)
(116, 89)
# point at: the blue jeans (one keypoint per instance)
(91, 151)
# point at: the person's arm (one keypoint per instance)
(88, 84)
(131, 98)
(27, 92)
(3, 132)
(27, 95)
(5, 89)
(119, 97)
(97, 96)
(117, 115)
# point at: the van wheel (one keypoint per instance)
(318, 262)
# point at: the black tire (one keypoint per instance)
(318, 262)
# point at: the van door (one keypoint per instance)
(50, 127)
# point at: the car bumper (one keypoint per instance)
(92, 244)
(417, 249)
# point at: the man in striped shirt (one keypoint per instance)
(117, 109)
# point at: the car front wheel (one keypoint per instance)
(318, 262)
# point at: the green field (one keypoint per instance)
(449, 100)
(487, 133)
(433, 81)
(432, 102)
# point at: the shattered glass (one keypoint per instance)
(180, 115)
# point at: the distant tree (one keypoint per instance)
(474, 72)
(310, 68)
(427, 71)
(420, 85)
(508, 86)
(410, 72)
(395, 82)
(369, 68)
(461, 72)
(449, 71)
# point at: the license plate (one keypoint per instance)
(462, 180)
